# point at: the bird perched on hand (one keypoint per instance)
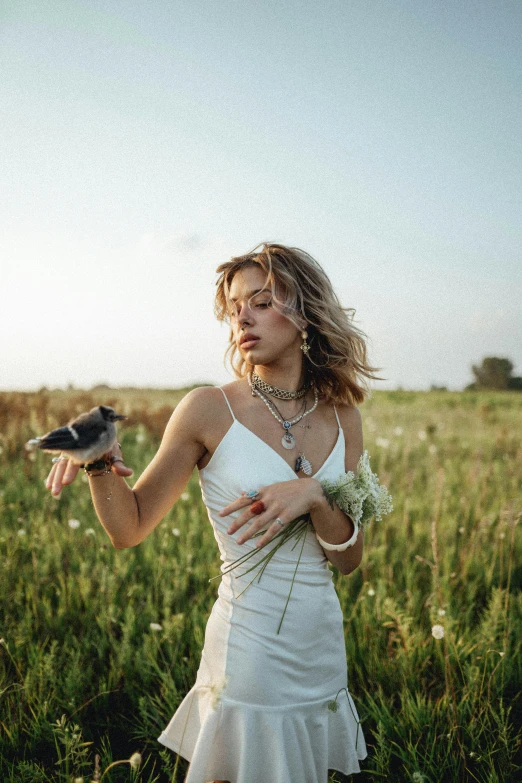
(84, 439)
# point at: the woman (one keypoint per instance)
(271, 699)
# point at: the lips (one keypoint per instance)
(247, 339)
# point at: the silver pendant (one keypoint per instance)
(306, 467)
(288, 440)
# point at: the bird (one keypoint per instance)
(84, 439)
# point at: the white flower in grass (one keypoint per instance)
(135, 760)
(21, 532)
(176, 531)
(371, 591)
(90, 531)
(418, 777)
(437, 631)
(462, 529)
(502, 535)
(185, 496)
(422, 434)
(441, 612)
(398, 431)
(140, 437)
(74, 523)
(383, 442)
(432, 448)
(155, 627)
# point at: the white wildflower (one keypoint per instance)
(422, 434)
(176, 531)
(432, 448)
(441, 612)
(437, 631)
(185, 496)
(502, 535)
(155, 627)
(135, 760)
(140, 437)
(398, 431)
(217, 691)
(21, 532)
(371, 591)
(90, 531)
(462, 529)
(418, 777)
(383, 442)
(74, 523)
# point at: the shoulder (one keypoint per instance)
(349, 416)
(351, 423)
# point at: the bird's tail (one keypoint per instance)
(33, 444)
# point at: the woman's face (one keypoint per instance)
(250, 306)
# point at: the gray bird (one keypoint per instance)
(84, 439)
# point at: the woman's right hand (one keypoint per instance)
(65, 471)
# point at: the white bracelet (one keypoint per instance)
(339, 547)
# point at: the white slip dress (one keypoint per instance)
(268, 706)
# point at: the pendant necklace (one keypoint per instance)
(288, 440)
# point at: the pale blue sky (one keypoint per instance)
(143, 143)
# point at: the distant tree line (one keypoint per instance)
(494, 373)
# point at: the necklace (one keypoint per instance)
(275, 391)
(288, 440)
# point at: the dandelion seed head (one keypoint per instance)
(140, 437)
(383, 442)
(74, 523)
(502, 535)
(155, 627)
(461, 530)
(135, 760)
(90, 531)
(432, 448)
(418, 777)
(437, 631)
(185, 496)
(398, 431)
(176, 531)
(21, 532)
(441, 612)
(422, 434)
(371, 591)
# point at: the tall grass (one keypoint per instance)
(86, 681)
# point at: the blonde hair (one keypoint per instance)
(302, 292)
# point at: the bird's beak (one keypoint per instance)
(118, 416)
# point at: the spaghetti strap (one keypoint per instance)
(226, 398)
(336, 416)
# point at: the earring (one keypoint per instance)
(305, 347)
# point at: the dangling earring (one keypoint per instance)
(305, 347)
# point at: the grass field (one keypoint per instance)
(85, 677)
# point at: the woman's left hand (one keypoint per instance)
(285, 500)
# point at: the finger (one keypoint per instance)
(57, 480)
(50, 477)
(272, 531)
(252, 530)
(121, 469)
(71, 471)
(235, 505)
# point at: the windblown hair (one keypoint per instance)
(337, 361)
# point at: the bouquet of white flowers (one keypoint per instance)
(359, 494)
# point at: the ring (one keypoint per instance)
(280, 522)
(258, 507)
(58, 459)
(252, 494)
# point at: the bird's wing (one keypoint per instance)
(74, 436)
(61, 438)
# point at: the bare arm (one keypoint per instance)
(335, 526)
(131, 514)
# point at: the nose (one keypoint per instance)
(244, 315)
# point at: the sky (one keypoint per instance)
(144, 143)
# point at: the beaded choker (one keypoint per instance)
(275, 391)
